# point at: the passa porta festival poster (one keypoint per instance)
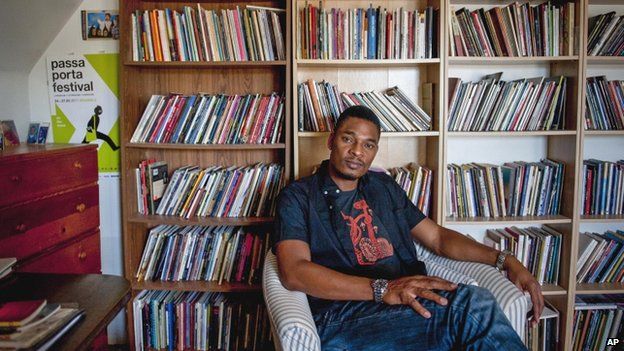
(84, 103)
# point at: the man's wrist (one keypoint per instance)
(380, 288)
(503, 260)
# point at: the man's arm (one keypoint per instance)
(297, 272)
(449, 243)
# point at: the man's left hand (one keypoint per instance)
(525, 281)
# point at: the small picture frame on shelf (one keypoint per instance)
(100, 24)
(42, 136)
(9, 132)
(33, 133)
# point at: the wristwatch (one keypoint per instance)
(500, 260)
(380, 287)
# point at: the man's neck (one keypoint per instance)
(342, 183)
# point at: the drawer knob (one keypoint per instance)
(16, 178)
(77, 164)
(81, 207)
(82, 255)
(21, 228)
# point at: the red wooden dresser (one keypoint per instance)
(49, 212)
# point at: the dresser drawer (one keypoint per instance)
(31, 227)
(30, 178)
(80, 257)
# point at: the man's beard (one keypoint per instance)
(344, 175)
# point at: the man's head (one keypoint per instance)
(353, 143)
(107, 16)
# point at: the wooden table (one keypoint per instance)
(101, 296)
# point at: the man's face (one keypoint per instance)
(353, 147)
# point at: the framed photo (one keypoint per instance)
(42, 137)
(33, 132)
(9, 133)
(100, 24)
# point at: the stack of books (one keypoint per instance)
(606, 35)
(539, 249)
(177, 320)
(416, 181)
(193, 253)
(495, 105)
(320, 104)
(544, 336)
(600, 257)
(596, 319)
(603, 187)
(249, 34)
(514, 30)
(6, 266)
(605, 104)
(211, 119)
(35, 324)
(372, 33)
(514, 189)
(236, 191)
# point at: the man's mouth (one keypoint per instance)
(354, 164)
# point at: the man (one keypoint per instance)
(344, 237)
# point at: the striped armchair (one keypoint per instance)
(291, 319)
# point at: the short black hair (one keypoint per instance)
(358, 111)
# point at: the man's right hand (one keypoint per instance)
(404, 291)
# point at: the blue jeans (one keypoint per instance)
(472, 320)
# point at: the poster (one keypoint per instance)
(84, 103)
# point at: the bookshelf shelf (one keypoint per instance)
(205, 64)
(509, 220)
(196, 286)
(553, 290)
(512, 134)
(604, 288)
(509, 60)
(602, 218)
(604, 132)
(364, 63)
(152, 220)
(383, 134)
(605, 60)
(206, 146)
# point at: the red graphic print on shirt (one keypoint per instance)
(368, 248)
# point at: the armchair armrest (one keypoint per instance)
(289, 312)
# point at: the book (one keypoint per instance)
(44, 334)
(19, 313)
(158, 178)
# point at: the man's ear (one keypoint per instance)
(330, 140)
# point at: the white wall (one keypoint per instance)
(14, 100)
(67, 42)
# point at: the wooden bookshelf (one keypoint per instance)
(141, 80)
(509, 220)
(458, 60)
(600, 288)
(511, 134)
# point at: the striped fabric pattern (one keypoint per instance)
(512, 301)
(292, 325)
(291, 319)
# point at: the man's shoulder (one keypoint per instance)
(381, 178)
(299, 187)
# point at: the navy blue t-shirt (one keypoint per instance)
(364, 232)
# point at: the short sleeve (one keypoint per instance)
(290, 219)
(412, 214)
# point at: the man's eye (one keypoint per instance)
(346, 139)
(369, 146)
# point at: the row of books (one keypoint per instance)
(598, 322)
(545, 335)
(514, 189)
(193, 253)
(606, 35)
(601, 257)
(603, 187)
(539, 249)
(495, 105)
(605, 104)
(178, 320)
(211, 119)
(416, 181)
(514, 30)
(249, 34)
(366, 33)
(235, 191)
(320, 104)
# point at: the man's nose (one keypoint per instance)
(357, 149)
